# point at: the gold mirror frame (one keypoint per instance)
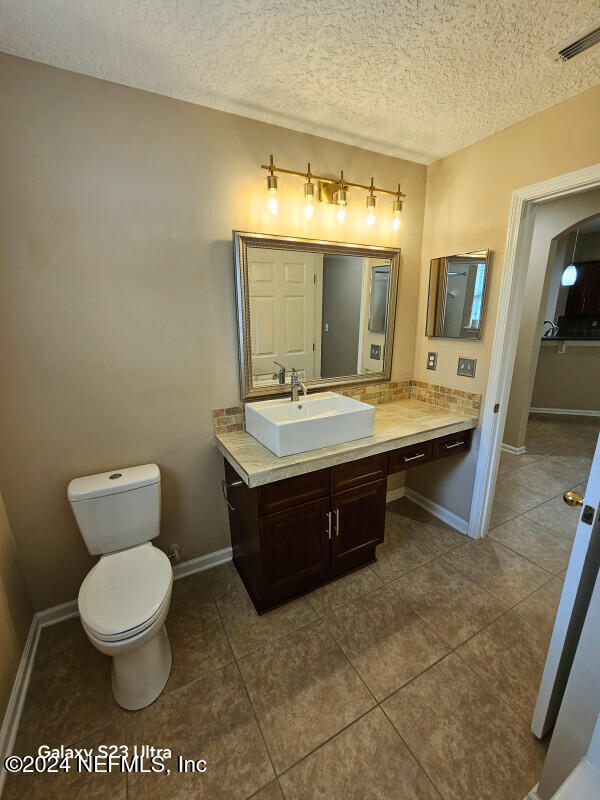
(241, 241)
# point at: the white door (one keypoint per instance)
(282, 312)
(572, 608)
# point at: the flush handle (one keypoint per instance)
(225, 486)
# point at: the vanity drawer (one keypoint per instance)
(355, 473)
(454, 443)
(411, 456)
(293, 491)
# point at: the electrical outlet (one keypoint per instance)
(375, 352)
(466, 367)
(432, 360)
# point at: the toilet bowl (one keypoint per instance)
(123, 603)
(124, 599)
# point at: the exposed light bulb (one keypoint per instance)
(340, 214)
(273, 204)
(371, 204)
(309, 196)
(397, 212)
(272, 181)
(308, 209)
(396, 223)
(569, 275)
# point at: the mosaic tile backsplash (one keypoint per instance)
(467, 403)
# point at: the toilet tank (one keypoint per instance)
(117, 509)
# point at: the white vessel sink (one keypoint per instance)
(318, 420)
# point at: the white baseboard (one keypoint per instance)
(50, 616)
(516, 451)
(577, 412)
(202, 563)
(395, 494)
(533, 795)
(14, 709)
(456, 522)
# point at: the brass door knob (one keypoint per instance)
(572, 498)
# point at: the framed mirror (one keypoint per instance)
(456, 300)
(326, 309)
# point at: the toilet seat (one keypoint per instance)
(125, 592)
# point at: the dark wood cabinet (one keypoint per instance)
(358, 519)
(298, 533)
(295, 546)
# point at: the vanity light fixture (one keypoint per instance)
(371, 205)
(320, 187)
(569, 275)
(309, 195)
(272, 181)
(397, 212)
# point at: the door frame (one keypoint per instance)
(510, 310)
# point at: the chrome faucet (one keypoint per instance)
(550, 332)
(280, 374)
(296, 384)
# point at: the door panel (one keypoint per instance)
(359, 519)
(295, 544)
(282, 312)
(580, 579)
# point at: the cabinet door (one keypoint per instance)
(358, 518)
(295, 545)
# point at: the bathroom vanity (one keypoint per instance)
(302, 520)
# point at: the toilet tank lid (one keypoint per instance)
(113, 482)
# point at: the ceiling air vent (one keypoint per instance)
(585, 39)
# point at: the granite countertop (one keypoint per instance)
(397, 424)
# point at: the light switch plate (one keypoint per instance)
(466, 367)
(432, 360)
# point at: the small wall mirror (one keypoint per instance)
(326, 309)
(456, 295)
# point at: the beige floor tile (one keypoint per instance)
(539, 609)
(69, 698)
(198, 640)
(501, 513)
(449, 602)
(66, 635)
(73, 783)
(368, 760)
(509, 655)
(549, 476)
(470, 743)
(385, 640)
(406, 508)
(343, 590)
(208, 719)
(543, 546)
(575, 466)
(510, 461)
(246, 630)
(270, 792)
(403, 550)
(556, 515)
(303, 691)
(502, 572)
(513, 493)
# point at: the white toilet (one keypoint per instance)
(125, 598)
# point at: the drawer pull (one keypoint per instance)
(413, 458)
(455, 444)
(328, 515)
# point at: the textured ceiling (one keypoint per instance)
(412, 78)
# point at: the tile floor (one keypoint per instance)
(412, 679)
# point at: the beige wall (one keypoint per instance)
(551, 220)
(467, 206)
(567, 380)
(15, 610)
(117, 311)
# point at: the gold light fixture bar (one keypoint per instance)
(336, 181)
